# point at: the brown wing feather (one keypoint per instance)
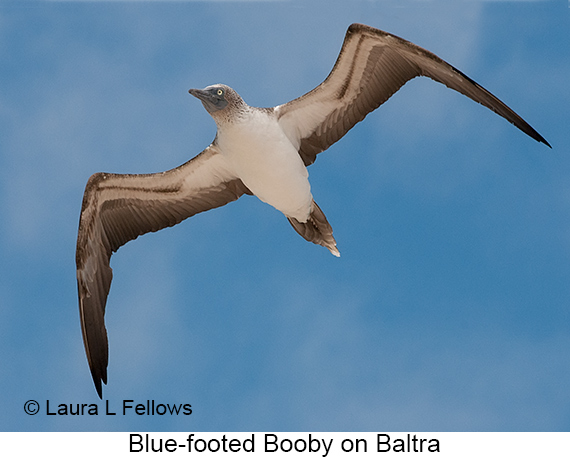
(371, 67)
(119, 208)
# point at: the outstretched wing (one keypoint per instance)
(118, 208)
(371, 67)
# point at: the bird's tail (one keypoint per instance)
(316, 230)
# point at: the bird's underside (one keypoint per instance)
(371, 67)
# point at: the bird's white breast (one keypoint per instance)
(260, 153)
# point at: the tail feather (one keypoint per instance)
(316, 230)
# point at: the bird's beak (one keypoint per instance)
(209, 99)
(201, 94)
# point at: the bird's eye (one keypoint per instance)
(220, 92)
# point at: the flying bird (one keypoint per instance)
(257, 151)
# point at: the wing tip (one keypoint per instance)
(541, 139)
(526, 128)
(99, 381)
(99, 389)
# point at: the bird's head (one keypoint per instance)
(219, 100)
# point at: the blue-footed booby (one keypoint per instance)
(257, 151)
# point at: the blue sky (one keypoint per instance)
(448, 308)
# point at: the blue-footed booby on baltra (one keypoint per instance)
(256, 151)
